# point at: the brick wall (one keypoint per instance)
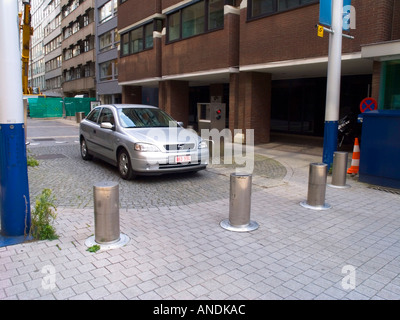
(174, 99)
(142, 65)
(285, 36)
(212, 50)
(168, 3)
(205, 52)
(292, 34)
(133, 11)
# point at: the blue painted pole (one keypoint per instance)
(333, 84)
(14, 187)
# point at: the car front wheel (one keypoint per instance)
(124, 165)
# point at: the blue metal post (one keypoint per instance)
(333, 84)
(14, 187)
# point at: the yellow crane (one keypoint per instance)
(27, 32)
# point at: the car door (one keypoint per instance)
(89, 127)
(105, 138)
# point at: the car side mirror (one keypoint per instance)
(180, 123)
(107, 125)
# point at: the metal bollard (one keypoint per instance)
(106, 217)
(316, 187)
(79, 116)
(239, 204)
(106, 212)
(339, 170)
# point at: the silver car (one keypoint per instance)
(141, 140)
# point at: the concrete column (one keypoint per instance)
(174, 99)
(233, 101)
(255, 104)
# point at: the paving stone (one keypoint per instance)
(178, 251)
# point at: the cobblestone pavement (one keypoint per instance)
(71, 179)
(176, 252)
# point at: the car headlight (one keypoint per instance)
(203, 144)
(146, 147)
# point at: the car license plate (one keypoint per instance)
(182, 159)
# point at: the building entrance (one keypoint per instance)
(298, 105)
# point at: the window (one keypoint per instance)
(75, 27)
(107, 11)
(85, 20)
(258, 8)
(138, 39)
(105, 70)
(201, 17)
(53, 64)
(68, 75)
(78, 73)
(174, 26)
(76, 51)
(215, 14)
(148, 35)
(193, 20)
(67, 32)
(105, 41)
(106, 115)
(87, 71)
(125, 44)
(93, 115)
(53, 83)
(68, 54)
(86, 45)
(53, 44)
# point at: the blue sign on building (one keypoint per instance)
(325, 13)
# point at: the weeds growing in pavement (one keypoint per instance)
(31, 161)
(42, 217)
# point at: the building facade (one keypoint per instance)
(107, 42)
(78, 48)
(262, 58)
(52, 39)
(37, 54)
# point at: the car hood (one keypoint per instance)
(163, 136)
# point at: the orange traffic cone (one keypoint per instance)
(355, 161)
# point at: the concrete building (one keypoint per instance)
(107, 42)
(262, 58)
(78, 47)
(52, 39)
(36, 77)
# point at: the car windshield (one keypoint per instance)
(144, 118)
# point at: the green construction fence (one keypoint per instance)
(44, 107)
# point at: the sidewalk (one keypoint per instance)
(351, 251)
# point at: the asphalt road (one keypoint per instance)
(54, 143)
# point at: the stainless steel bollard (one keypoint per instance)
(339, 170)
(239, 204)
(106, 217)
(316, 187)
(79, 116)
(106, 212)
